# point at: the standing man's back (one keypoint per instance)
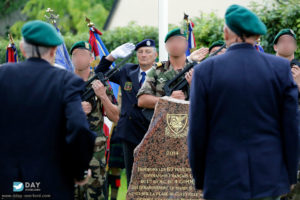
(243, 136)
(43, 130)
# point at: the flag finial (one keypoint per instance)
(11, 40)
(186, 16)
(51, 16)
(89, 23)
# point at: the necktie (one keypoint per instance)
(143, 78)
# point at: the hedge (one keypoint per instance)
(208, 28)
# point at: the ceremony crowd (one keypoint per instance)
(243, 138)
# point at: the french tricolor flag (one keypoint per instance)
(191, 38)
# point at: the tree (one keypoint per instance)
(208, 29)
(278, 14)
(71, 13)
(8, 6)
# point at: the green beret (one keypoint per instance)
(282, 32)
(41, 34)
(243, 21)
(81, 45)
(175, 32)
(218, 43)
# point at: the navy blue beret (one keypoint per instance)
(145, 43)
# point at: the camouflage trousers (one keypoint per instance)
(95, 189)
(295, 193)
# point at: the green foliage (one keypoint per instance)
(112, 38)
(208, 29)
(277, 16)
(71, 13)
(15, 30)
(132, 33)
(107, 4)
(8, 6)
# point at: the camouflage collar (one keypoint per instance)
(168, 65)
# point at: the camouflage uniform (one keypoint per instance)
(157, 77)
(95, 188)
(294, 194)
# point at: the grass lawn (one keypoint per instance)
(123, 189)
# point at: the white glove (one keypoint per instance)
(123, 50)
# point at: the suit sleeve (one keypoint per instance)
(104, 67)
(197, 135)
(79, 139)
(290, 126)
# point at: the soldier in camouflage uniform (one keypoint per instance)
(94, 109)
(157, 78)
(162, 72)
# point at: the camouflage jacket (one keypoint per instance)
(96, 116)
(157, 77)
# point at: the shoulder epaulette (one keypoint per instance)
(159, 64)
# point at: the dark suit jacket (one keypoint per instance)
(44, 134)
(132, 125)
(243, 135)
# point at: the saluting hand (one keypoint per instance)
(296, 75)
(99, 89)
(123, 50)
(199, 54)
(189, 76)
(178, 94)
(87, 107)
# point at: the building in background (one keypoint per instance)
(145, 12)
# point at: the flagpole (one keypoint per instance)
(62, 58)
(162, 28)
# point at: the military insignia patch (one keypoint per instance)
(161, 80)
(292, 32)
(181, 31)
(87, 46)
(177, 124)
(128, 86)
(148, 43)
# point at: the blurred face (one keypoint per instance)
(176, 46)
(286, 46)
(214, 49)
(146, 56)
(81, 59)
